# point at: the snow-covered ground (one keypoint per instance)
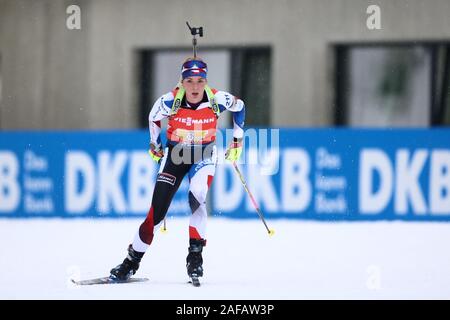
(304, 260)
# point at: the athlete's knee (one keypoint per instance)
(159, 213)
(197, 197)
(199, 191)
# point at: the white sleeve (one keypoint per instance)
(227, 101)
(161, 109)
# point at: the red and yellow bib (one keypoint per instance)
(190, 126)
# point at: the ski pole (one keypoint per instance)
(164, 228)
(270, 231)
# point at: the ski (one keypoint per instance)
(106, 280)
(195, 281)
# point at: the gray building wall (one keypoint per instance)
(57, 78)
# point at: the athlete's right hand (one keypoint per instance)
(156, 152)
(234, 150)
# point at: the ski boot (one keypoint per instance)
(194, 260)
(129, 265)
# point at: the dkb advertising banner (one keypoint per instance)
(323, 174)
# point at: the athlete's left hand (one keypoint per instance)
(156, 152)
(234, 150)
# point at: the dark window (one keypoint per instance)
(1, 90)
(145, 87)
(251, 80)
(392, 85)
(441, 103)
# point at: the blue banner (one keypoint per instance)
(322, 174)
(78, 174)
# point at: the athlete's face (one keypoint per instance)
(194, 87)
